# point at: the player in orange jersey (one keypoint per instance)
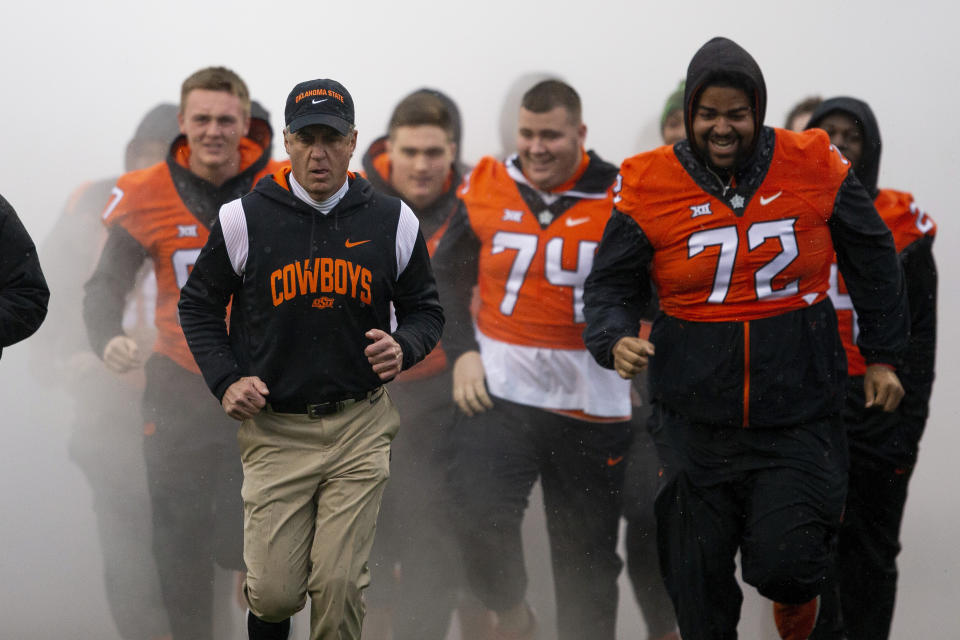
(164, 212)
(105, 439)
(883, 446)
(738, 227)
(534, 403)
(414, 564)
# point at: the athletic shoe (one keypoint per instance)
(796, 621)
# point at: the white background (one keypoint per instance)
(77, 77)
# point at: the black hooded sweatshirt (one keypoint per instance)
(781, 369)
(305, 289)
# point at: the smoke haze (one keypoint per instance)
(78, 77)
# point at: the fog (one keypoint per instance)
(77, 77)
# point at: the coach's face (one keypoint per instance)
(319, 157)
(723, 126)
(550, 146)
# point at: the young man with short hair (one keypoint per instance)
(164, 212)
(415, 563)
(533, 402)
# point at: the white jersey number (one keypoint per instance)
(525, 245)
(728, 240)
(183, 261)
(842, 301)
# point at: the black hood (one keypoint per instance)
(868, 169)
(722, 59)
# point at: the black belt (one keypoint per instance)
(317, 409)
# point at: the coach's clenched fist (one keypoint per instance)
(245, 397)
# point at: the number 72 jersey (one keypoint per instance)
(740, 258)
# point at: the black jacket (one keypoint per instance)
(23, 290)
(920, 273)
(308, 290)
(797, 367)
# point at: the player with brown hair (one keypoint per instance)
(164, 212)
(534, 404)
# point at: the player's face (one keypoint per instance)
(420, 161)
(214, 123)
(673, 130)
(319, 157)
(845, 134)
(723, 127)
(799, 121)
(550, 145)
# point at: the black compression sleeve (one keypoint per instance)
(617, 291)
(106, 290)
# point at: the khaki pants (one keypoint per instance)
(311, 494)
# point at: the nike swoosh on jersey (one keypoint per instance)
(612, 462)
(318, 101)
(765, 201)
(350, 245)
(573, 222)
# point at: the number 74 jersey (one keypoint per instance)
(530, 275)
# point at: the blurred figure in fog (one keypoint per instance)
(105, 441)
(164, 212)
(640, 488)
(800, 114)
(671, 119)
(23, 290)
(883, 446)
(534, 404)
(415, 563)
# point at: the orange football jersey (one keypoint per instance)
(737, 260)
(908, 223)
(147, 205)
(531, 278)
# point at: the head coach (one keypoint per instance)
(312, 258)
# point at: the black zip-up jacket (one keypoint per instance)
(23, 289)
(779, 370)
(306, 287)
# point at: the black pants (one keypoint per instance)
(194, 475)
(860, 602)
(643, 564)
(415, 528)
(776, 495)
(496, 460)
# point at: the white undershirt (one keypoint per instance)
(323, 207)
